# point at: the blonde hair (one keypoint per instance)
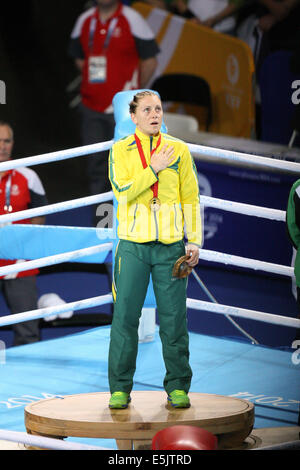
(139, 96)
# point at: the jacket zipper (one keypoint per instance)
(134, 217)
(154, 213)
(175, 221)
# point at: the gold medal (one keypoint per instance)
(155, 204)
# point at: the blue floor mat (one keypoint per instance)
(78, 364)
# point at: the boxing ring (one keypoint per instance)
(62, 383)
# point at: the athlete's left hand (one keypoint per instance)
(193, 252)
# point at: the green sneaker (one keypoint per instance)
(179, 399)
(119, 400)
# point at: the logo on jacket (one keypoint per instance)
(15, 191)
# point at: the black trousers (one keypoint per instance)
(21, 295)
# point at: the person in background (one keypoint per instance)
(114, 49)
(280, 19)
(293, 230)
(154, 179)
(20, 189)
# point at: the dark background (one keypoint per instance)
(36, 68)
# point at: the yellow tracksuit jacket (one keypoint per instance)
(178, 192)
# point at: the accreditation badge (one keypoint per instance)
(97, 69)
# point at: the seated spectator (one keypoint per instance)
(20, 189)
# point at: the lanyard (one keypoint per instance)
(7, 206)
(154, 187)
(109, 33)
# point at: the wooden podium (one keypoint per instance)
(88, 415)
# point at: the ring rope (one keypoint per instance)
(206, 255)
(54, 259)
(194, 148)
(242, 208)
(244, 157)
(209, 255)
(191, 303)
(55, 310)
(213, 299)
(56, 156)
(231, 206)
(57, 207)
(243, 313)
(44, 442)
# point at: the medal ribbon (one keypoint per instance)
(154, 187)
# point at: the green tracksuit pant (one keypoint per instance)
(134, 262)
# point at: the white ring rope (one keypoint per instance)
(194, 148)
(56, 156)
(243, 313)
(55, 310)
(191, 303)
(244, 158)
(44, 442)
(54, 259)
(241, 208)
(231, 206)
(57, 207)
(207, 255)
(224, 258)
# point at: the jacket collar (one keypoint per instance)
(146, 138)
